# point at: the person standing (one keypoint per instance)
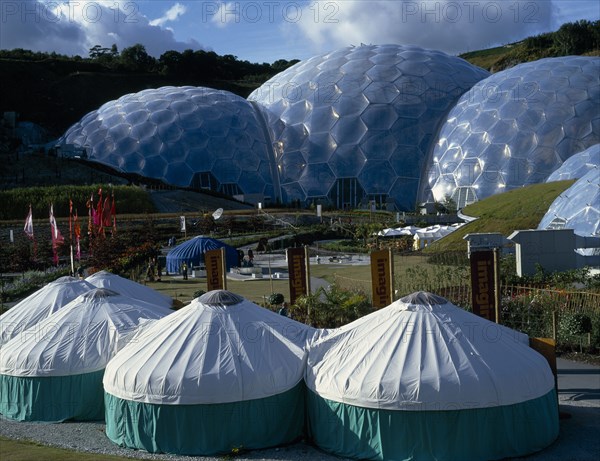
(184, 271)
(284, 309)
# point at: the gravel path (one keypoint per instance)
(90, 438)
(578, 440)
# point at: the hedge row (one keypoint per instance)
(15, 202)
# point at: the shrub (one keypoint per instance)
(275, 299)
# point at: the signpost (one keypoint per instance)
(216, 274)
(183, 228)
(382, 277)
(482, 284)
(299, 273)
(484, 254)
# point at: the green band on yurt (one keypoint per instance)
(473, 434)
(53, 398)
(206, 429)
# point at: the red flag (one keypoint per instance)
(98, 217)
(106, 209)
(29, 224)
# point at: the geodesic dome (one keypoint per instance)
(516, 127)
(577, 208)
(185, 136)
(578, 165)
(357, 123)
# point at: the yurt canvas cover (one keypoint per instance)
(53, 371)
(218, 374)
(39, 305)
(126, 287)
(423, 379)
(192, 253)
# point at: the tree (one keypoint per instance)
(136, 58)
(575, 37)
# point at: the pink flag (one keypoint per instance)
(57, 238)
(29, 224)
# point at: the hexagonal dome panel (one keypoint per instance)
(538, 111)
(578, 165)
(175, 133)
(376, 102)
(577, 208)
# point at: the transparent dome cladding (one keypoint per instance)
(185, 136)
(359, 123)
(578, 207)
(386, 123)
(578, 165)
(517, 127)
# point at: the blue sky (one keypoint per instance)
(264, 31)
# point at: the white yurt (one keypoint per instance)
(424, 379)
(39, 305)
(219, 374)
(427, 235)
(126, 287)
(53, 371)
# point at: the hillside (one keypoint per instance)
(57, 93)
(521, 208)
(576, 38)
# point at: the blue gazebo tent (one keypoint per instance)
(192, 253)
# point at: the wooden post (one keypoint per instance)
(497, 297)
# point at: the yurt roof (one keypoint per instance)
(220, 348)
(39, 305)
(423, 353)
(79, 338)
(104, 279)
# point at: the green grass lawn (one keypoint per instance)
(17, 450)
(517, 209)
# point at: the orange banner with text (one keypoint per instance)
(216, 276)
(382, 278)
(299, 274)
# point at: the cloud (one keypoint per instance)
(73, 27)
(226, 13)
(171, 15)
(447, 25)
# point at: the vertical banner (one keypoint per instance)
(482, 284)
(299, 272)
(382, 277)
(182, 221)
(216, 275)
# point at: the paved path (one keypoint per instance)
(579, 402)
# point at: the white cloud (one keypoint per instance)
(453, 26)
(227, 13)
(170, 15)
(73, 27)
